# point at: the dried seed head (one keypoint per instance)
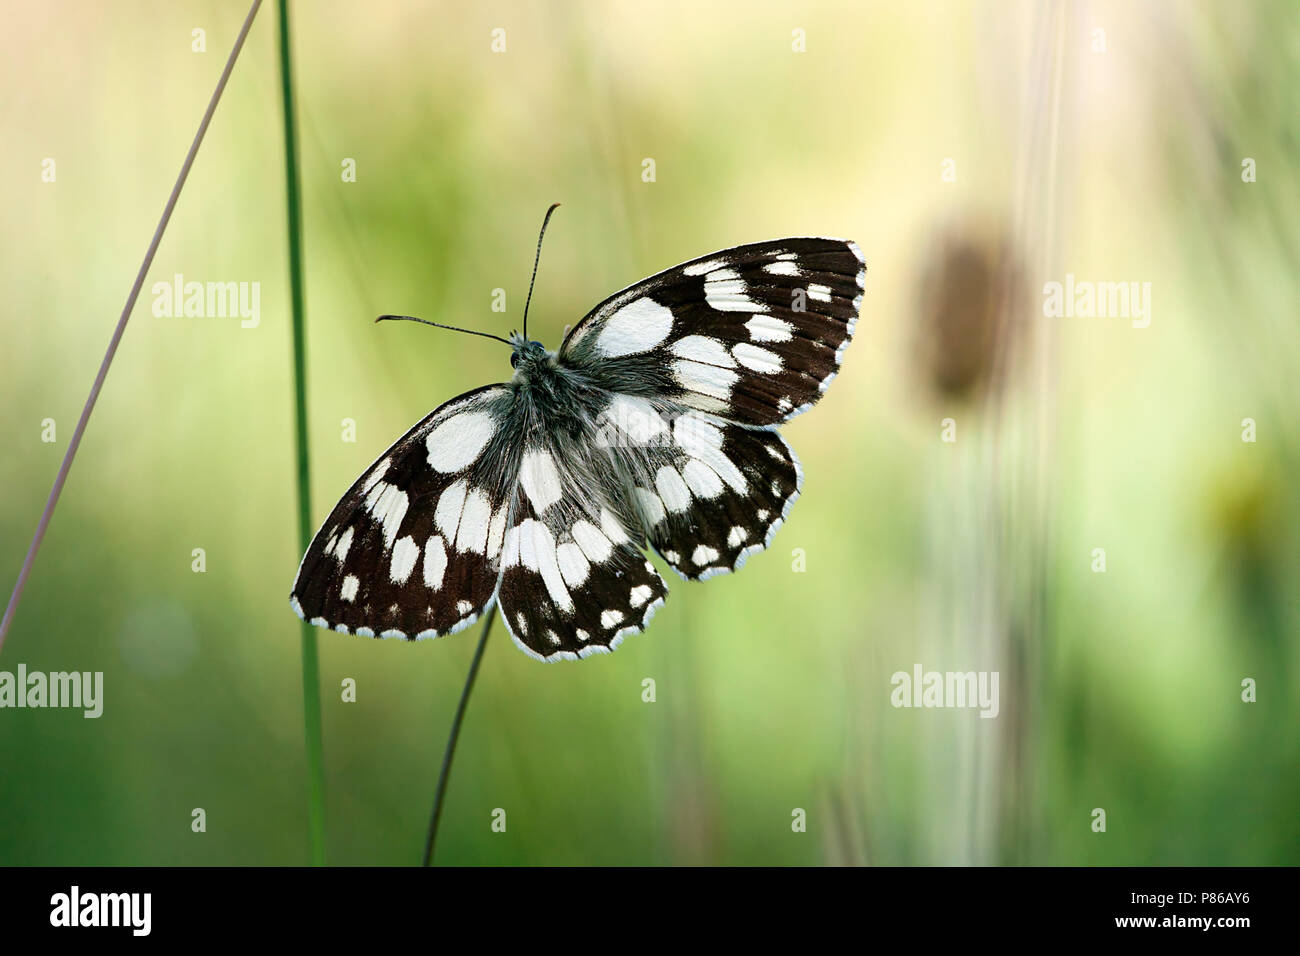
(969, 296)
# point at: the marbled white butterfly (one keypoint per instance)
(655, 422)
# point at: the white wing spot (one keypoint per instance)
(344, 542)
(388, 508)
(611, 528)
(703, 440)
(701, 268)
(711, 380)
(693, 431)
(540, 479)
(454, 444)
(527, 549)
(782, 267)
(495, 532)
(380, 470)
(652, 509)
(637, 419)
(610, 618)
(450, 504)
(724, 290)
(768, 328)
(548, 566)
(463, 607)
(553, 637)
(522, 622)
(673, 556)
(510, 548)
(435, 562)
(594, 544)
(637, 327)
(757, 359)
(472, 533)
(737, 536)
(573, 564)
(405, 553)
(672, 489)
(701, 479)
(707, 403)
(819, 293)
(640, 594)
(703, 555)
(701, 348)
(582, 635)
(349, 590)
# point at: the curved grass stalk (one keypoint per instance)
(449, 752)
(62, 476)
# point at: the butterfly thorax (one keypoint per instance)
(549, 394)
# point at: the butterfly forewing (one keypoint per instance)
(754, 334)
(411, 550)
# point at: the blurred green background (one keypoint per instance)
(974, 150)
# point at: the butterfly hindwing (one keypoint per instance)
(411, 549)
(574, 580)
(754, 334)
(708, 492)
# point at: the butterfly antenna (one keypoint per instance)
(439, 325)
(554, 206)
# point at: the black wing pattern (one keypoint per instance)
(411, 550)
(753, 334)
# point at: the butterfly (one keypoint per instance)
(654, 424)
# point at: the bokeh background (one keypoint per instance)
(975, 150)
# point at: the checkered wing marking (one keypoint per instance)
(754, 334)
(574, 580)
(712, 492)
(411, 551)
